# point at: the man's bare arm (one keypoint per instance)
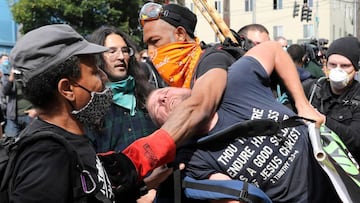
(275, 58)
(194, 114)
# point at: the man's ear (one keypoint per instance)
(180, 34)
(65, 89)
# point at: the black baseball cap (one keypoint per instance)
(183, 17)
(173, 14)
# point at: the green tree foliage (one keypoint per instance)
(84, 15)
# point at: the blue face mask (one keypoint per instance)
(6, 63)
(93, 112)
(5, 67)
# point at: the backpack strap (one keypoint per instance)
(232, 51)
(223, 189)
(252, 128)
(153, 75)
(316, 87)
(177, 185)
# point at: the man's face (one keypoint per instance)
(339, 61)
(3, 58)
(162, 102)
(257, 37)
(117, 58)
(157, 33)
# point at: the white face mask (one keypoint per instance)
(339, 79)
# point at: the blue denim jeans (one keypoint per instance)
(13, 127)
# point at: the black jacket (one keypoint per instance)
(43, 171)
(342, 112)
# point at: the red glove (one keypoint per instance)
(150, 152)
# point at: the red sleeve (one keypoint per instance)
(152, 151)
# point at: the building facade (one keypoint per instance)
(8, 28)
(329, 19)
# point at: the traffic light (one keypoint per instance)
(309, 14)
(296, 9)
(304, 13)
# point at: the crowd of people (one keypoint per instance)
(134, 117)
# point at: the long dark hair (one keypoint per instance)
(142, 87)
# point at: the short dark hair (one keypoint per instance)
(2, 55)
(256, 27)
(41, 90)
(296, 52)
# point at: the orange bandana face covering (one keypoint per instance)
(176, 62)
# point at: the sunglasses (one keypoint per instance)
(153, 11)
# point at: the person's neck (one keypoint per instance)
(299, 65)
(337, 92)
(340, 91)
(63, 120)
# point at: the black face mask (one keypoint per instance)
(93, 112)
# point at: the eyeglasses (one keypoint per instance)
(153, 11)
(114, 52)
(82, 87)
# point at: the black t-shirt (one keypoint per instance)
(42, 171)
(212, 58)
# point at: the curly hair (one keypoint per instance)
(41, 90)
(142, 87)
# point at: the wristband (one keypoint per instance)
(150, 152)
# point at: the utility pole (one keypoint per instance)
(316, 28)
(356, 18)
(254, 11)
(226, 15)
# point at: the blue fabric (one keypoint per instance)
(13, 127)
(303, 73)
(232, 184)
(5, 67)
(282, 97)
(124, 94)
